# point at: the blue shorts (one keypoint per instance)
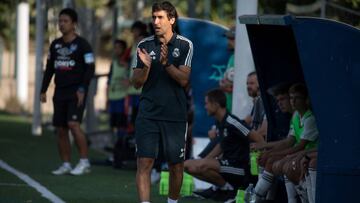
(117, 106)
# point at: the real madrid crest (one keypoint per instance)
(176, 53)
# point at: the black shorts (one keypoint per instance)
(234, 172)
(150, 134)
(67, 110)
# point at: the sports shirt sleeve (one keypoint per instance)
(238, 127)
(110, 74)
(137, 63)
(185, 59)
(49, 70)
(291, 129)
(310, 131)
(89, 64)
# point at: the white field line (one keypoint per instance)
(41, 189)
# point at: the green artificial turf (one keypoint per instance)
(37, 156)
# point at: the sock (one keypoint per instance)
(301, 191)
(67, 164)
(264, 184)
(309, 188)
(84, 161)
(227, 186)
(312, 174)
(171, 200)
(290, 190)
(261, 171)
(271, 194)
(214, 187)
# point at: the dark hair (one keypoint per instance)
(252, 73)
(217, 96)
(168, 8)
(142, 27)
(299, 88)
(69, 12)
(279, 89)
(121, 42)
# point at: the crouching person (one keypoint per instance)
(231, 171)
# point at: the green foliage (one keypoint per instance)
(221, 11)
(352, 4)
(7, 21)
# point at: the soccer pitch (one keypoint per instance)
(34, 157)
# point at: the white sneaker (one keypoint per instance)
(80, 169)
(155, 176)
(62, 170)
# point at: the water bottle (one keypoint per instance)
(250, 196)
(254, 168)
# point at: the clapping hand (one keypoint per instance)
(164, 54)
(144, 57)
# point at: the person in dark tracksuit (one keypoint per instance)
(227, 165)
(71, 60)
(162, 69)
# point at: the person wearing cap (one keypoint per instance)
(226, 83)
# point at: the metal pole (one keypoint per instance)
(207, 9)
(323, 8)
(22, 52)
(191, 8)
(68, 4)
(36, 124)
(86, 23)
(244, 62)
(115, 23)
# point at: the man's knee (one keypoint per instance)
(144, 164)
(62, 132)
(191, 166)
(277, 167)
(269, 163)
(313, 163)
(73, 125)
(292, 170)
(188, 166)
(176, 168)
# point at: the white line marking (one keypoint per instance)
(43, 191)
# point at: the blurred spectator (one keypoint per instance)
(118, 84)
(283, 112)
(257, 118)
(139, 32)
(226, 83)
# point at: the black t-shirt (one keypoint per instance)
(163, 98)
(235, 143)
(73, 66)
(280, 126)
